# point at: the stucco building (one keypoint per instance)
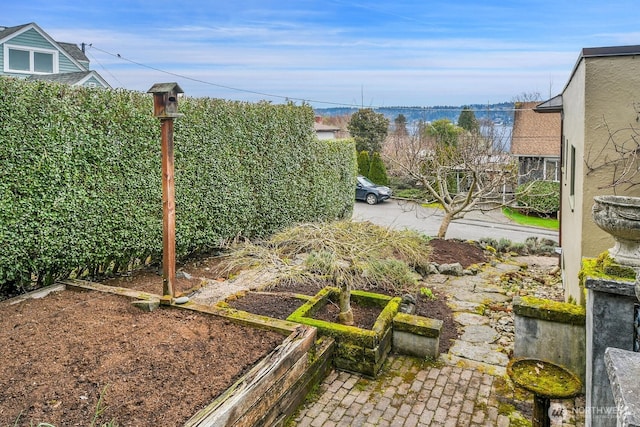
(602, 96)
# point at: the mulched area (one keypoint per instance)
(363, 317)
(275, 305)
(452, 251)
(280, 304)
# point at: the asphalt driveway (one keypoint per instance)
(475, 225)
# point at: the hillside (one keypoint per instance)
(499, 113)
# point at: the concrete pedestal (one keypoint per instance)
(610, 316)
(623, 368)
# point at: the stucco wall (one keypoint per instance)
(571, 218)
(602, 89)
(612, 89)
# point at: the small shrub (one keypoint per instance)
(364, 163)
(503, 245)
(369, 255)
(321, 262)
(519, 248)
(388, 274)
(402, 183)
(410, 193)
(427, 293)
(377, 170)
(539, 197)
(540, 246)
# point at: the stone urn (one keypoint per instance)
(620, 217)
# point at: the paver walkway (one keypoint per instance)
(466, 387)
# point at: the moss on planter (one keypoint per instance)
(417, 325)
(552, 311)
(544, 379)
(604, 267)
(358, 349)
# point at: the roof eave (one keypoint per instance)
(553, 105)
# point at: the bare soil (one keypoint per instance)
(62, 352)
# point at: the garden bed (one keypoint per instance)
(62, 352)
(279, 302)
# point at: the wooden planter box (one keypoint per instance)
(274, 388)
(358, 350)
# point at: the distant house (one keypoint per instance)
(535, 143)
(26, 51)
(604, 87)
(324, 131)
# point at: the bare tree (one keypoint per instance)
(460, 170)
(527, 97)
(619, 156)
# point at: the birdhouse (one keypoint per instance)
(165, 100)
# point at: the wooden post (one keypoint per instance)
(168, 210)
(165, 107)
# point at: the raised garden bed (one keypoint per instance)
(64, 350)
(357, 349)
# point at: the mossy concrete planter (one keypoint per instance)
(357, 350)
(620, 217)
(551, 330)
(416, 335)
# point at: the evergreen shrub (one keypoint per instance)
(80, 177)
(539, 197)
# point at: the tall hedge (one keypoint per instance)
(80, 182)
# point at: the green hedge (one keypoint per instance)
(539, 197)
(80, 182)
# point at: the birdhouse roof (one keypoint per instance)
(165, 87)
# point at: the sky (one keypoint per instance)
(334, 53)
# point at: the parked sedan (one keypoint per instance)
(370, 192)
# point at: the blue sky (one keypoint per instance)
(334, 52)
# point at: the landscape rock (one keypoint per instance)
(485, 353)
(454, 269)
(480, 334)
(468, 306)
(432, 268)
(467, 319)
(183, 275)
(147, 304)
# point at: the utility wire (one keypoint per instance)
(93, 58)
(288, 98)
(270, 95)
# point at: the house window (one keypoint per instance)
(551, 170)
(19, 60)
(572, 182)
(35, 61)
(42, 62)
(564, 158)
